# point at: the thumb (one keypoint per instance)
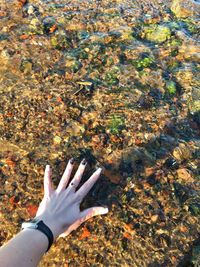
(91, 212)
(84, 216)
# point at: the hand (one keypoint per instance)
(59, 209)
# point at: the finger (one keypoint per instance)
(85, 188)
(65, 178)
(77, 177)
(85, 215)
(91, 212)
(47, 181)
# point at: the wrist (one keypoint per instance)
(51, 226)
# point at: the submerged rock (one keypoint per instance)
(60, 40)
(36, 26)
(194, 109)
(182, 152)
(185, 8)
(48, 23)
(26, 66)
(157, 33)
(30, 10)
(72, 64)
(171, 87)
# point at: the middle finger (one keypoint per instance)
(65, 178)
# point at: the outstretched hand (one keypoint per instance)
(60, 208)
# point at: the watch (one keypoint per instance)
(41, 226)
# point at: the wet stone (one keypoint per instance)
(26, 66)
(60, 40)
(48, 23)
(186, 8)
(29, 10)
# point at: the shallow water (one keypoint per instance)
(118, 83)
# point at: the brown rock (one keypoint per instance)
(185, 175)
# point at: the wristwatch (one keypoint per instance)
(41, 226)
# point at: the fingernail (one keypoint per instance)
(72, 160)
(48, 167)
(104, 211)
(84, 161)
(99, 170)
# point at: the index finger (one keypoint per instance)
(85, 188)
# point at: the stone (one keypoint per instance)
(185, 8)
(57, 139)
(26, 66)
(182, 152)
(72, 63)
(194, 105)
(171, 87)
(36, 26)
(60, 40)
(157, 33)
(184, 175)
(48, 23)
(75, 128)
(30, 10)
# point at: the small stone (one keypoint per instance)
(48, 23)
(184, 175)
(154, 218)
(72, 64)
(75, 128)
(30, 10)
(60, 40)
(36, 26)
(57, 139)
(182, 152)
(171, 87)
(26, 66)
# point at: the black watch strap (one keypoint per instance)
(41, 226)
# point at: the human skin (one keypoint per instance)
(59, 210)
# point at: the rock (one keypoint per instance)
(75, 128)
(72, 63)
(57, 139)
(48, 23)
(182, 152)
(26, 66)
(185, 8)
(194, 105)
(195, 259)
(184, 175)
(171, 87)
(30, 10)
(36, 26)
(194, 208)
(111, 77)
(157, 33)
(171, 163)
(145, 60)
(60, 40)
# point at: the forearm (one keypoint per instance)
(24, 250)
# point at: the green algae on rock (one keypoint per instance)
(157, 33)
(171, 87)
